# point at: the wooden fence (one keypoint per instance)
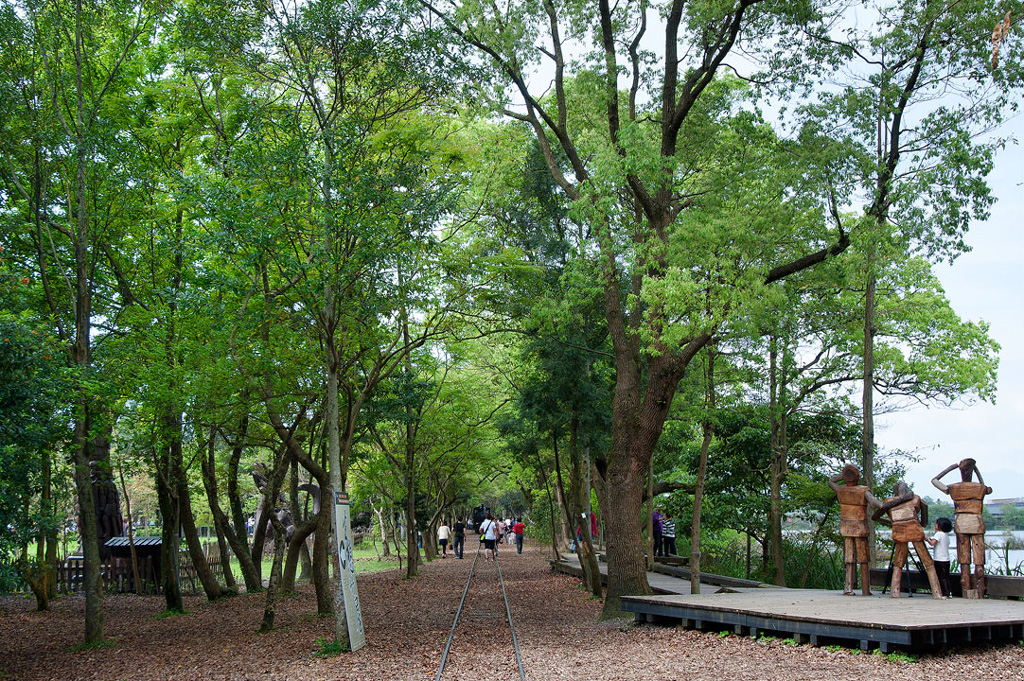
(118, 577)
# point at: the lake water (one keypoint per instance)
(996, 558)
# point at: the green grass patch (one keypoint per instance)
(329, 648)
(366, 566)
(169, 613)
(366, 555)
(895, 656)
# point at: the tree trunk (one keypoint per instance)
(412, 550)
(167, 498)
(225, 561)
(82, 352)
(270, 606)
(385, 547)
(651, 549)
(552, 514)
(868, 394)
(109, 521)
(638, 417)
(321, 555)
(568, 533)
(580, 494)
(238, 540)
(238, 518)
(334, 458)
(295, 546)
(131, 534)
(269, 500)
(778, 463)
(93, 582)
(209, 581)
(708, 426)
(627, 565)
(45, 569)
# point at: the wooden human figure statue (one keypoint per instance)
(854, 500)
(903, 510)
(969, 526)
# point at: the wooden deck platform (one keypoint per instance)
(912, 622)
(824, 617)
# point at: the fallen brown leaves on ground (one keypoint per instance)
(407, 624)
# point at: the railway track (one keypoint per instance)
(476, 614)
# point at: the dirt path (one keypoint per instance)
(407, 624)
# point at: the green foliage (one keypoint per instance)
(896, 656)
(812, 562)
(33, 397)
(1012, 517)
(330, 647)
(722, 553)
(1002, 548)
(173, 612)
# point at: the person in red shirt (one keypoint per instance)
(518, 529)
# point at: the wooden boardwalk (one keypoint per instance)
(827, 617)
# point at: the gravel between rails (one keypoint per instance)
(407, 624)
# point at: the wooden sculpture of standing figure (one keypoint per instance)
(903, 509)
(969, 526)
(854, 500)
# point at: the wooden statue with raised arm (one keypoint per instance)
(969, 526)
(903, 510)
(854, 501)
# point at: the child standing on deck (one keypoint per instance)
(940, 548)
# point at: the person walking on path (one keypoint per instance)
(444, 533)
(854, 501)
(903, 509)
(969, 501)
(459, 543)
(518, 529)
(940, 548)
(668, 536)
(489, 534)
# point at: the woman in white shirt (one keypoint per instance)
(489, 531)
(940, 546)
(443, 534)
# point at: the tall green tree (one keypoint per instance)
(32, 385)
(341, 199)
(83, 56)
(920, 89)
(807, 354)
(653, 158)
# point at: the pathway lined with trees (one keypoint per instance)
(252, 257)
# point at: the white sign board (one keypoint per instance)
(343, 529)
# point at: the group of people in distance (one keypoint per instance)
(492, 531)
(908, 516)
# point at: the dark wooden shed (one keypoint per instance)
(147, 552)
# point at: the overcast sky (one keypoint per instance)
(985, 284)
